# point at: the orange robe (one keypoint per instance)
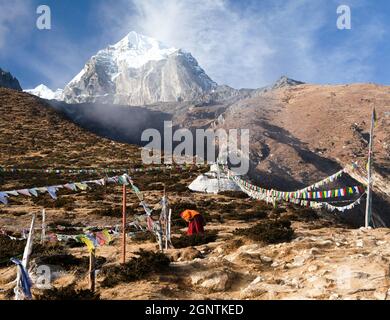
(195, 221)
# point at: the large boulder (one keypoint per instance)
(212, 280)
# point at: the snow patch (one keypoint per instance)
(44, 92)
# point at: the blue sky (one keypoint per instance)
(239, 43)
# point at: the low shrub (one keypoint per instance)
(64, 223)
(143, 237)
(47, 249)
(44, 201)
(278, 210)
(95, 195)
(10, 249)
(109, 212)
(246, 216)
(177, 187)
(72, 243)
(70, 262)
(179, 207)
(262, 205)
(194, 240)
(234, 194)
(19, 213)
(66, 203)
(67, 293)
(304, 214)
(269, 231)
(137, 268)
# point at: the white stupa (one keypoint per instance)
(213, 181)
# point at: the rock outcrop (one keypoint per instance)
(7, 80)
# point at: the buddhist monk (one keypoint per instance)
(195, 221)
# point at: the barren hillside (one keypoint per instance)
(251, 250)
(302, 133)
(34, 135)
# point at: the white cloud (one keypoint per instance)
(246, 44)
(250, 45)
(12, 15)
(222, 40)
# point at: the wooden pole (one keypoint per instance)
(159, 235)
(92, 270)
(124, 224)
(164, 218)
(43, 231)
(166, 228)
(169, 228)
(369, 182)
(218, 176)
(26, 256)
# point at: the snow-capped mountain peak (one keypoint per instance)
(133, 51)
(139, 70)
(44, 92)
(136, 50)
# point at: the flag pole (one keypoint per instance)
(43, 231)
(368, 215)
(26, 256)
(165, 218)
(92, 272)
(124, 223)
(218, 176)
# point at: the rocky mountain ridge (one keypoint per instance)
(7, 80)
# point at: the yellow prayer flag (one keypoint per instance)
(81, 186)
(107, 236)
(88, 243)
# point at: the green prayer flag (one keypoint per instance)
(135, 189)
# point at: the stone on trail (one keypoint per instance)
(211, 280)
